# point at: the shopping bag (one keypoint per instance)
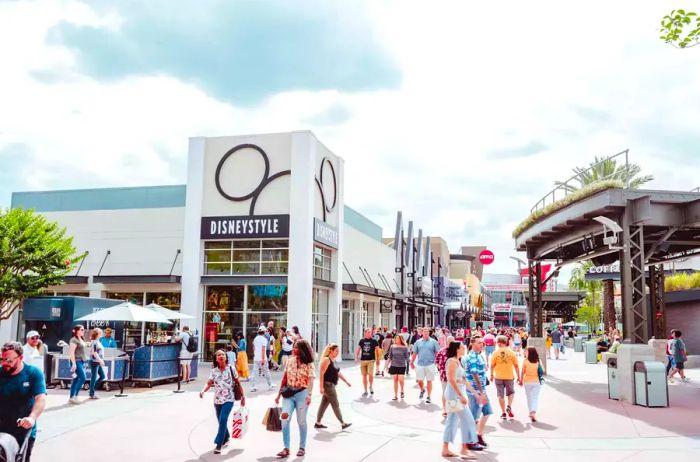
(240, 423)
(266, 417)
(274, 424)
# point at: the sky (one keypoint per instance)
(459, 114)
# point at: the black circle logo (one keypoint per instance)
(328, 207)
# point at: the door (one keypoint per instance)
(348, 322)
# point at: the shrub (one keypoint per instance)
(682, 281)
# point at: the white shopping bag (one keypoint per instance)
(240, 423)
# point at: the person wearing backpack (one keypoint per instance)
(224, 379)
(531, 377)
(188, 342)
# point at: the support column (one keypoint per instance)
(608, 304)
(658, 305)
(634, 309)
(535, 302)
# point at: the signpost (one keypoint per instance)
(486, 257)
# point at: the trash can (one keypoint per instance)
(613, 381)
(650, 385)
(591, 352)
(578, 344)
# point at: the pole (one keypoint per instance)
(121, 393)
(179, 379)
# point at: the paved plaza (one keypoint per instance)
(577, 422)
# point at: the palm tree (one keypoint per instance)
(606, 169)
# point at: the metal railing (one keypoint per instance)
(562, 190)
(696, 189)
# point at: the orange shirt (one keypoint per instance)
(530, 372)
(503, 361)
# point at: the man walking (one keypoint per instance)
(476, 374)
(260, 364)
(22, 396)
(556, 341)
(366, 353)
(425, 351)
(679, 356)
(504, 369)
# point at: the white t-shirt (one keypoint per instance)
(259, 344)
(185, 339)
(287, 343)
(33, 357)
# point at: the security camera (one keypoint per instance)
(614, 228)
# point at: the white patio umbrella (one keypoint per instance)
(127, 311)
(169, 314)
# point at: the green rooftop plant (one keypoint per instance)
(682, 281)
(575, 196)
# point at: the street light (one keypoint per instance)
(521, 263)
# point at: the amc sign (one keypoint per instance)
(486, 257)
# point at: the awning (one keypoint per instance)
(137, 279)
(367, 290)
(75, 279)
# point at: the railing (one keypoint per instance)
(696, 189)
(569, 186)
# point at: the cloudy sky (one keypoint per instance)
(460, 115)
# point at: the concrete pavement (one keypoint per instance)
(577, 422)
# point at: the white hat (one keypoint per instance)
(262, 329)
(32, 333)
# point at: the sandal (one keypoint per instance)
(301, 452)
(394, 398)
(449, 454)
(345, 425)
(284, 453)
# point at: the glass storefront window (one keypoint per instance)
(133, 297)
(267, 298)
(319, 319)
(219, 329)
(257, 256)
(322, 263)
(253, 321)
(225, 298)
(170, 300)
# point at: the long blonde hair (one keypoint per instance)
(399, 340)
(327, 351)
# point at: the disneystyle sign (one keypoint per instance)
(326, 234)
(246, 227)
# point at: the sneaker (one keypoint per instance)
(427, 401)
(685, 379)
(75, 400)
(345, 425)
(94, 397)
(319, 425)
(481, 441)
(253, 390)
(422, 393)
(217, 449)
(510, 412)
(504, 416)
(364, 395)
(475, 447)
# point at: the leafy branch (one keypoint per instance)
(681, 29)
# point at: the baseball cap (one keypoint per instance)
(262, 329)
(32, 333)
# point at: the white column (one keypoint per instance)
(301, 245)
(192, 289)
(8, 328)
(335, 308)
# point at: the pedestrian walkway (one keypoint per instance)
(577, 423)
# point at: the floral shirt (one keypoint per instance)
(441, 361)
(223, 384)
(299, 375)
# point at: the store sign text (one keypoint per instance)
(326, 234)
(259, 226)
(501, 306)
(604, 269)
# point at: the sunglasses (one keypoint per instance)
(34, 338)
(9, 360)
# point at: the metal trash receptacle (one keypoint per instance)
(650, 384)
(591, 349)
(578, 344)
(613, 380)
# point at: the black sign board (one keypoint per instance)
(245, 227)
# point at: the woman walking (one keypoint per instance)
(224, 380)
(241, 356)
(398, 364)
(530, 378)
(97, 363)
(329, 373)
(286, 345)
(456, 402)
(77, 351)
(297, 384)
(386, 346)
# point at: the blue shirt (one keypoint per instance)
(425, 351)
(474, 364)
(108, 342)
(17, 393)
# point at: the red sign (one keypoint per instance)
(486, 257)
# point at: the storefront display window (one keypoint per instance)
(219, 329)
(319, 319)
(169, 300)
(225, 298)
(257, 256)
(253, 321)
(133, 297)
(267, 298)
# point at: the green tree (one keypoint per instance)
(681, 29)
(589, 315)
(34, 254)
(578, 281)
(606, 169)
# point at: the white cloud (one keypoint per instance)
(581, 79)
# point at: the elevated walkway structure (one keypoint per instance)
(648, 229)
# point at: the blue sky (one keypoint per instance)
(459, 122)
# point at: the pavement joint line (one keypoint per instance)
(376, 449)
(189, 438)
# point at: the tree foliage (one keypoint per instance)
(578, 281)
(681, 29)
(34, 254)
(589, 315)
(602, 169)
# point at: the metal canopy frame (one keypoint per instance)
(657, 227)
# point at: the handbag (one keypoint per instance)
(274, 424)
(288, 392)
(453, 405)
(237, 388)
(540, 373)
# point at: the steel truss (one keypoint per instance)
(658, 305)
(535, 301)
(632, 274)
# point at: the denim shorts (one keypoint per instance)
(478, 410)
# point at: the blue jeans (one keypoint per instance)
(465, 421)
(95, 370)
(78, 382)
(297, 402)
(222, 413)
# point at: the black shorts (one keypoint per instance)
(396, 370)
(680, 365)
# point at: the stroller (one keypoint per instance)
(21, 450)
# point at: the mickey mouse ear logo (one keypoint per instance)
(264, 181)
(327, 205)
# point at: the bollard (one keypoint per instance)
(179, 379)
(121, 393)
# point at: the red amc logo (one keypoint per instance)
(486, 257)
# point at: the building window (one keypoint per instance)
(246, 257)
(322, 263)
(319, 319)
(169, 300)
